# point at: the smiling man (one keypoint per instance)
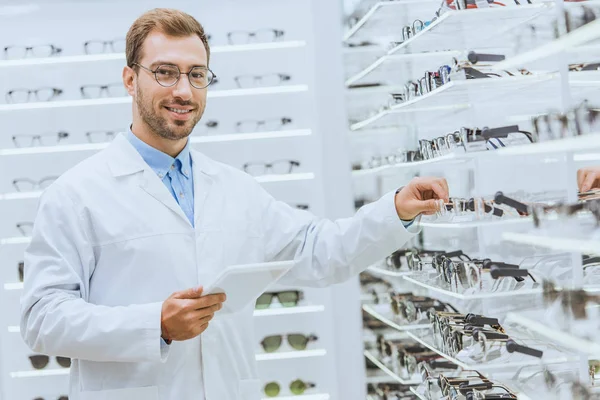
(124, 241)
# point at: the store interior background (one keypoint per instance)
(323, 108)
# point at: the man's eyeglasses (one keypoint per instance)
(259, 36)
(18, 52)
(28, 95)
(101, 46)
(39, 140)
(168, 75)
(279, 167)
(249, 81)
(267, 125)
(26, 184)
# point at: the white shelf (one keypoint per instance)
(474, 296)
(14, 329)
(290, 355)
(552, 334)
(389, 372)
(455, 29)
(323, 396)
(127, 100)
(449, 158)
(40, 373)
(554, 243)
(15, 240)
(20, 196)
(572, 144)
(371, 311)
(285, 177)
(232, 137)
(458, 95)
(566, 43)
(13, 286)
(416, 393)
(390, 273)
(289, 310)
(88, 58)
(496, 221)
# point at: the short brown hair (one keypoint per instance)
(166, 20)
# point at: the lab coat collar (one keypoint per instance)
(126, 160)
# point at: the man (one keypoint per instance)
(124, 241)
(588, 178)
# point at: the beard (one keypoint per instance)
(159, 125)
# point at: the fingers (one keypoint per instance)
(589, 180)
(440, 191)
(439, 186)
(208, 301)
(429, 207)
(581, 178)
(192, 293)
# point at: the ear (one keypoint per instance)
(129, 80)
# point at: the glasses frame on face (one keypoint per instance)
(206, 69)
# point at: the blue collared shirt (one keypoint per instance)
(175, 173)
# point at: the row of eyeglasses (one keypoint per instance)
(117, 45)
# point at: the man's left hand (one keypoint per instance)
(421, 196)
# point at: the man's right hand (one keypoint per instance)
(186, 314)
(588, 178)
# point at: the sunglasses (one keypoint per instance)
(21, 270)
(40, 361)
(297, 387)
(60, 398)
(296, 340)
(289, 298)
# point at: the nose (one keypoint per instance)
(183, 88)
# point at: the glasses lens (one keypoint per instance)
(247, 126)
(201, 77)
(18, 96)
(275, 124)
(255, 169)
(44, 183)
(118, 45)
(94, 47)
(297, 341)
(297, 387)
(167, 75)
(116, 90)
(238, 37)
(21, 271)
(264, 301)
(270, 80)
(91, 91)
(289, 298)
(15, 52)
(245, 81)
(42, 51)
(39, 361)
(282, 167)
(267, 35)
(272, 389)
(25, 228)
(272, 343)
(64, 362)
(45, 94)
(99, 136)
(23, 185)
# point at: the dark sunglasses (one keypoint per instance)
(40, 361)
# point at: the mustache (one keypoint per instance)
(180, 103)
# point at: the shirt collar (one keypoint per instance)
(161, 162)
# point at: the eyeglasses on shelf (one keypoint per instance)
(297, 387)
(15, 52)
(288, 298)
(279, 167)
(40, 361)
(297, 341)
(49, 139)
(116, 89)
(104, 46)
(32, 95)
(100, 136)
(26, 184)
(268, 125)
(252, 81)
(258, 36)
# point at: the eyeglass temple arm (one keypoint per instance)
(474, 57)
(499, 272)
(512, 347)
(489, 335)
(435, 364)
(500, 198)
(481, 320)
(498, 212)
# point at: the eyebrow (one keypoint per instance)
(159, 62)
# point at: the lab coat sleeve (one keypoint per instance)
(56, 319)
(329, 252)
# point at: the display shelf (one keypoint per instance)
(379, 377)
(572, 144)
(417, 394)
(475, 223)
(289, 355)
(14, 329)
(475, 296)
(389, 273)
(393, 66)
(458, 95)
(377, 315)
(568, 42)
(13, 286)
(425, 339)
(127, 100)
(40, 373)
(376, 22)
(20, 195)
(554, 335)
(454, 29)
(289, 311)
(232, 137)
(88, 58)
(554, 243)
(323, 396)
(285, 177)
(15, 240)
(385, 169)
(388, 371)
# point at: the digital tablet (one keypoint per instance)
(243, 284)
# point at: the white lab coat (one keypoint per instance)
(110, 244)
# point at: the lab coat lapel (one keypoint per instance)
(203, 182)
(157, 189)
